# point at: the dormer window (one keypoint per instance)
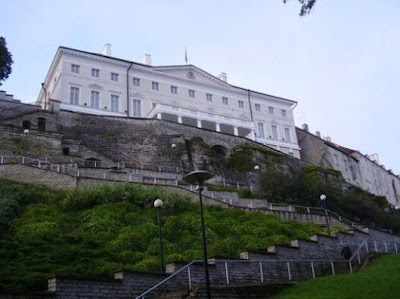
(209, 97)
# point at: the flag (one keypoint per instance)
(186, 59)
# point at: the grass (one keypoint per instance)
(97, 231)
(381, 279)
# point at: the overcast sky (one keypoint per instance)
(341, 62)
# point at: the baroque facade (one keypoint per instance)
(104, 85)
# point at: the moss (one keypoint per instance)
(323, 170)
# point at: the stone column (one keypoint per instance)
(218, 127)
(235, 131)
(180, 119)
(159, 116)
(199, 123)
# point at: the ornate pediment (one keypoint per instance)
(193, 73)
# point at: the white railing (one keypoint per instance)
(150, 174)
(159, 108)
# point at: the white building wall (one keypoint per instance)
(234, 118)
(377, 180)
(342, 162)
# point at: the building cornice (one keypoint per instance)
(160, 71)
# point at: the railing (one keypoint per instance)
(169, 278)
(152, 178)
(42, 164)
(357, 254)
(225, 272)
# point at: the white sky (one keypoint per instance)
(341, 62)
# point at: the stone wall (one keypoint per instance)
(10, 108)
(32, 175)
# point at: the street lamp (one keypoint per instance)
(323, 201)
(199, 177)
(25, 143)
(158, 203)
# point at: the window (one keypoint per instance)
(41, 124)
(74, 96)
(26, 124)
(154, 85)
(287, 135)
(174, 89)
(95, 73)
(137, 108)
(271, 110)
(225, 100)
(114, 77)
(261, 132)
(192, 93)
(241, 104)
(94, 99)
(75, 68)
(283, 111)
(274, 130)
(209, 97)
(136, 82)
(114, 103)
(258, 107)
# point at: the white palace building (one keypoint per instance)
(104, 85)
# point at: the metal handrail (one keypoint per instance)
(166, 279)
(259, 261)
(358, 249)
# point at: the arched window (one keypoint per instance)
(41, 124)
(26, 124)
(220, 151)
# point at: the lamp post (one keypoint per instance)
(199, 177)
(323, 201)
(158, 203)
(25, 143)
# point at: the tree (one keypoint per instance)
(306, 6)
(5, 60)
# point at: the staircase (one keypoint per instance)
(303, 259)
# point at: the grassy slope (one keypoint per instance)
(381, 279)
(98, 231)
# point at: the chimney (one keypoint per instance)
(223, 77)
(106, 50)
(305, 127)
(146, 59)
(328, 138)
(318, 133)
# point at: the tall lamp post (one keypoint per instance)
(158, 203)
(323, 202)
(25, 143)
(199, 177)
